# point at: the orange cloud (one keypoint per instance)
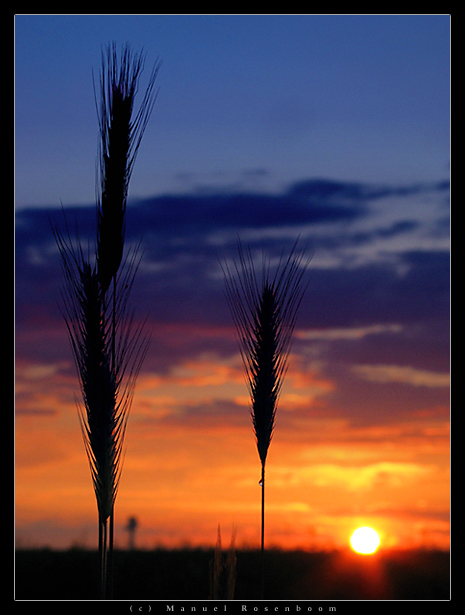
(191, 462)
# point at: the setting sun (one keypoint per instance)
(365, 540)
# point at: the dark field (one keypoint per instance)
(184, 575)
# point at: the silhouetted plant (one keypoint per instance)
(223, 570)
(108, 346)
(264, 312)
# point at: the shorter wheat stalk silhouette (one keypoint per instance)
(264, 312)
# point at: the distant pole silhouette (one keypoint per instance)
(131, 528)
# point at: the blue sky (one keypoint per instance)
(256, 101)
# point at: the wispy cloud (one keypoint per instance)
(349, 333)
(386, 374)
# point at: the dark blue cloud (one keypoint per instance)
(175, 231)
(180, 280)
(305, 202)
(325, 190)
(377, 293)
(199, 214)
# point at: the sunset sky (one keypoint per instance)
(334, 128)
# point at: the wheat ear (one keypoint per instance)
(121, 132)
(264, 312)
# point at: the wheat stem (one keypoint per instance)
(262, 548)
(103, 549)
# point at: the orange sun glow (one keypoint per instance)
(365, 540)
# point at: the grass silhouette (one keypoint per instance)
(108, 347)
(223, 570)
(264, 310)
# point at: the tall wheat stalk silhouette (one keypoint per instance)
(264, 311)
(108, 346)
